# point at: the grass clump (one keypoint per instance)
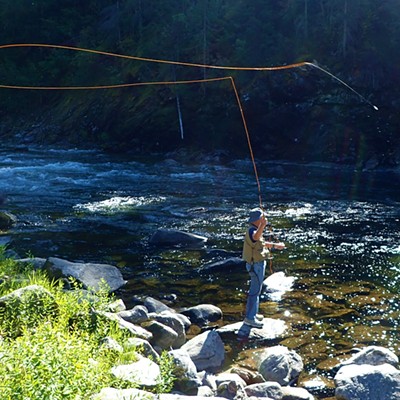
(51, 345)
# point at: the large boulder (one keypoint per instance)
(206, 350)
(272, 329)
(143, 373)
(361, 382)
(174, 237)
(173, 321)
(203, 314)
(268, 390)
(91, 275)
(279, 364)
(373, 355)
(185, 372)
(163, 336)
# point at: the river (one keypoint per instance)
(341, 226)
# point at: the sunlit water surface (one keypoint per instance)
(341, 227)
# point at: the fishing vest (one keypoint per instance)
(254, 251)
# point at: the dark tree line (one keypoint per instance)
(300, 114)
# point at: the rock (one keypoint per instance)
(36, 262)
(173, 237)
(136, 315)
(272, 329)
(231, 386)
(203, 314)
(6, 221)
(280, 365)
(135, 330)
(227, 265)
(143, 347)
(277, 284)
(116, 306)
(248, 376)
(90, 275)
(156, 306)
(361, 382)
(206, 350)
(5, 240)
(123, 394)
(373, 355)
(35, 297)
(111, 344)
(185, 372)
(144, 373)
(271, 390)
(295, 393)
(173, 321)
(163, 336)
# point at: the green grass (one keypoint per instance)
(50, 347)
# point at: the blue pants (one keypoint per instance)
(256, 272)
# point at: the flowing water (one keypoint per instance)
(341, 227)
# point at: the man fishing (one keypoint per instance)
(255, 253)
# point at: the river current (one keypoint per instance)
(341, 227)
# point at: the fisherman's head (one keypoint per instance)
(255, 215)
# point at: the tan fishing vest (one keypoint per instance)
(254, 251)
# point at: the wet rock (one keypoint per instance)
(203, 314)
(92, 276)
(5, 240)
(185, 372)
(206, 350)
(271, 390)
(143, 373)
(136, 315)
(373, 355)
(156, 306)
(227, 265)
(360, 382)
(173, 237)
(279, 364)
(277, 284)
(163, 336)
(173, 321)
(272, 329)
(248, 376)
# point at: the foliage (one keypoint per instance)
(356, 40)
(53, 350)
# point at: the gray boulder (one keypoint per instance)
(173, 321)
(143, 373)
(295, 393)
(163, 336)
(89, 274)
(174, 237)
(373, 355)
(185, 372)
(272, 329)
(269, 390)
(156, 306)
(361, 382)
(279, 364)
(136, 315)
(7, 220)
(123, 394)
(206, 350)
(227, 265)
(203, 314)
(141, 346)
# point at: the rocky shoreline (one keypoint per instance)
(198, 339)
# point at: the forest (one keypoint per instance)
(298, 114)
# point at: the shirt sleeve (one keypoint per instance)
(252, 229)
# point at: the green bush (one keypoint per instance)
(52, 349)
